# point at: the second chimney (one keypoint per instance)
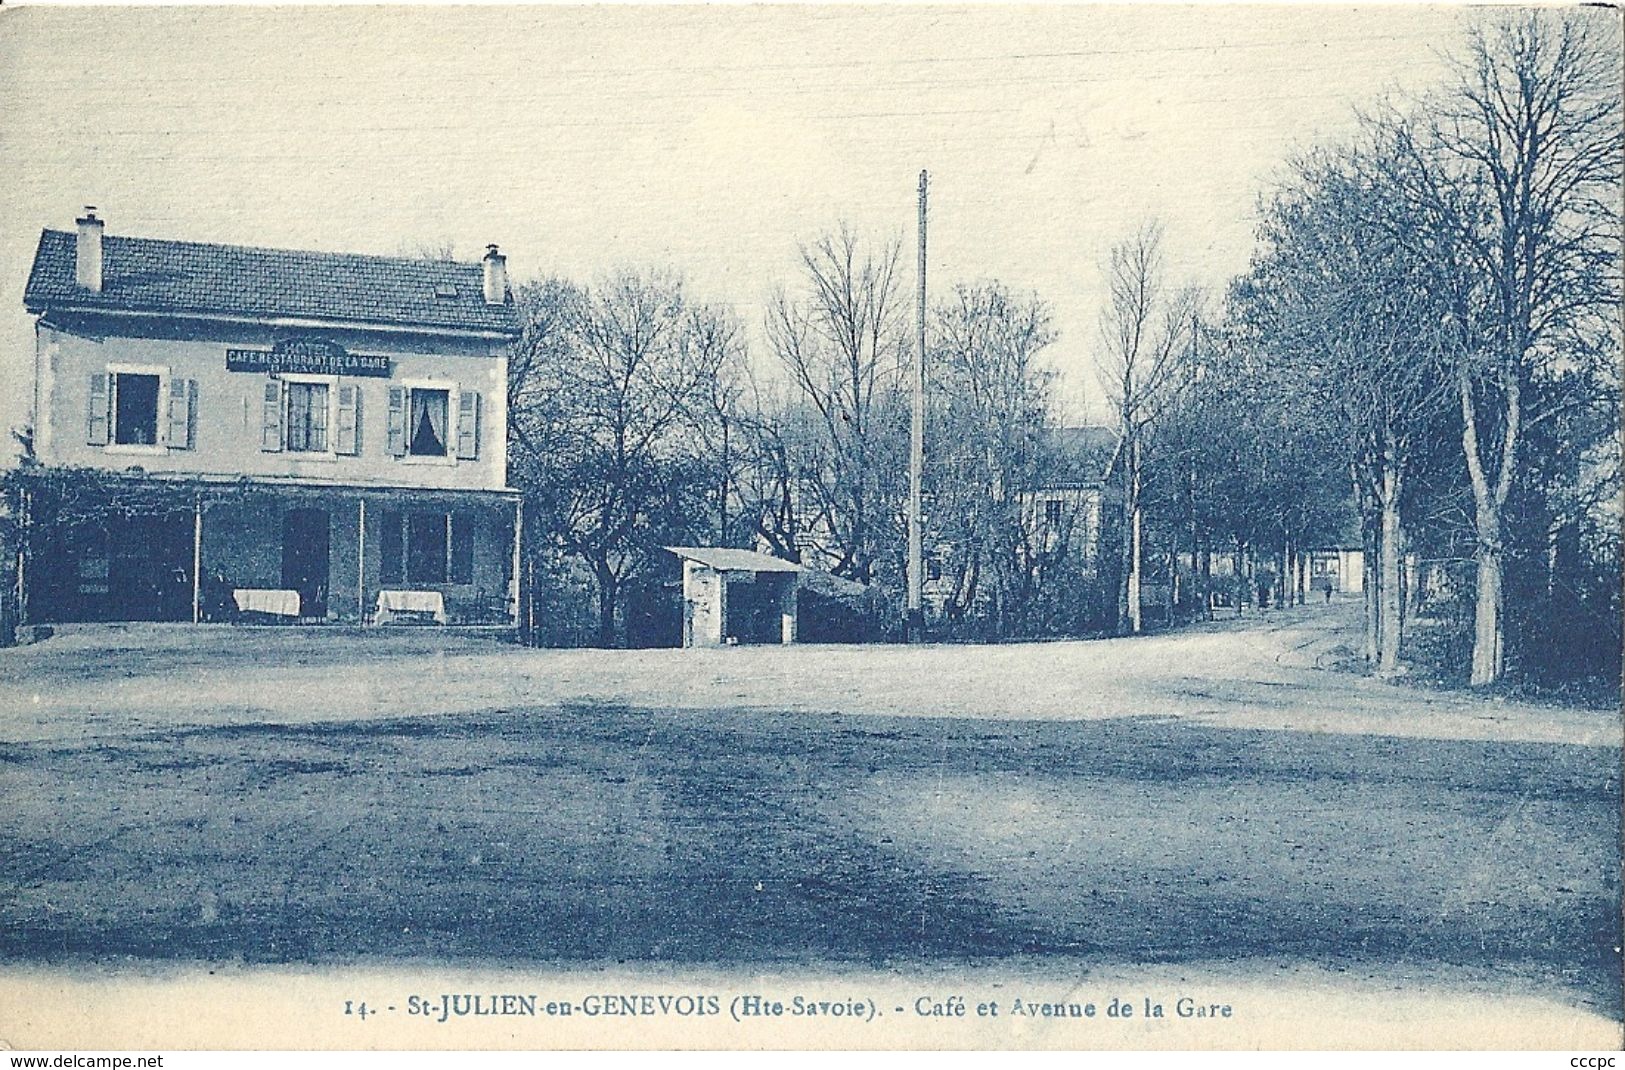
(496, 276)
(87, 271)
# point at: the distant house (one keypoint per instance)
(280, 434)
(1065, 507)
(1063, 524)
(1335, 569)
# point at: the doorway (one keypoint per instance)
(304, 558)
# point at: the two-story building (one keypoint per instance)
(268, 432)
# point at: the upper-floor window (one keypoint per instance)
(426, 422)
(140, 407)
(434, 419)
(317, 415)
(307, 417)
(135, 409)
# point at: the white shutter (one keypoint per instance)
(397, 421)
(98, 424)
(182, 396)
(348, 436)
(468, 425)
(318, 418)
(271, 428)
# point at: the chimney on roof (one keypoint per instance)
(87, 270)
(496, 276)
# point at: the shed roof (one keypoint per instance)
(180, 277)
(724, 559)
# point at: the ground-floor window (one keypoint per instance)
(429, 547)
(426, 548)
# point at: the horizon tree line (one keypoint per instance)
(1424, 353)
(1424, 350)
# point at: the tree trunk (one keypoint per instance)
(1388, 599)
(606, 609)
(1205, 592)
(1239, 575)
(1171, 592)
(1488, 626)
(1489, 659)
(527, 600)
(722, 499)
(25, 556)
(1128, 601)
(1135, 619)
(1411, 571)
(1371, 588)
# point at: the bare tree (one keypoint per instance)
(775, 439)
(610, 420)
(1146, 331)
(714, 339)
(538, 364)
(992, 407)
(1518, 164)
(1351, 308)
(843, 344)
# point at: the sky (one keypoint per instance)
(706, 140)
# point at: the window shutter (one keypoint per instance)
(318, 418)
(101, 390)
(181, 394)
(468, 425)
(397, 421)
(272, 427)
(348, 439)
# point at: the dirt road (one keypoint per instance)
(1259, 672)
(1206, 798)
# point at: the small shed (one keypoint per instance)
(736, 596)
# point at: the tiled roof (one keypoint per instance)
(178, 277)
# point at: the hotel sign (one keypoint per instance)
(306, 356)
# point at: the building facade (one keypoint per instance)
(274, 433)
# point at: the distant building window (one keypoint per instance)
(307, 417)
(426, 547)
(427, 413)
(933, 569)
(1052, 512)
(135, 409)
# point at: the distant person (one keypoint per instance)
(1328, 594)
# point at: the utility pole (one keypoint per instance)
(916, 456)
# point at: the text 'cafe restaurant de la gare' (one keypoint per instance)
(235, 433)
